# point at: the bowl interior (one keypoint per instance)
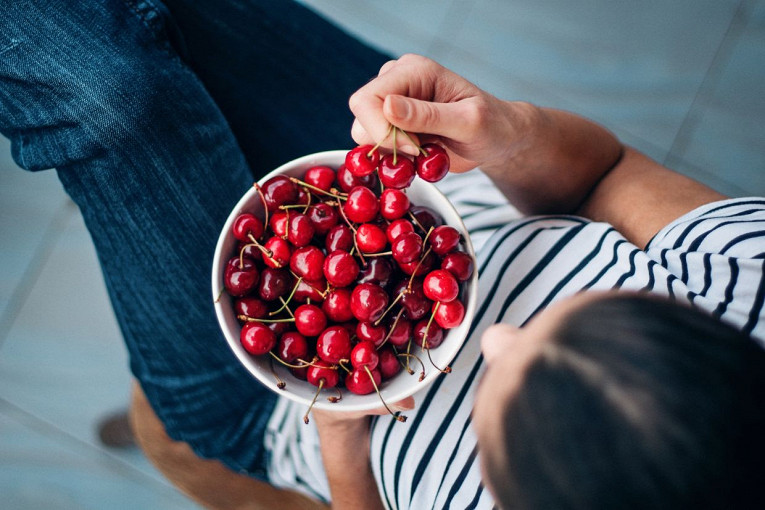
(393, 390)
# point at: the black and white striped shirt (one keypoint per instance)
(713, 257)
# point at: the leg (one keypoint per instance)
(208, 482)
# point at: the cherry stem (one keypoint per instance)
(338, 196)
(284, 303)
(318, 390)
(263, 199)
(448, 369)
(253, 319)
(392, 327)
(400, 295)
(419, 149)
(334, 399)
(395, 155)
(417, 268)
(220, 294)
(422, 372)
(415, 221)
(379, 254)
(372, 379)
(353, 229)
(387, 134)
(303, 364)
(268, 253)
(279, 383)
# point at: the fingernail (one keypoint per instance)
(410, 150)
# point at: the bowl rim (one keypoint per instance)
(349, 402)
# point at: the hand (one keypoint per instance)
(422, 97)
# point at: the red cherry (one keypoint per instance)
(398, 176)
(449, 315)
(459, 264)
(310, 289)
(364, 354)
(362, 160)
(360, 382)
(401, 333)
(300, 373)
(322, 177)
(323, 217)
(440, 285)
(370, 238)
(362, 205)
(378, 270)
(420, 267)
(413, 300)
(280, 252)
(435, 334)
(240, 277)
(407, 247)
(337, 305)
(278, 224)
(347, 181)
(292, 346)
(388, 363)
(323, 371)
(393, 204)
(279, 190)
(368, 332)
(426, 216)
(310, 320)
(300, 230)
(274, 283)
(398, 227)
(444, 239)
(256, 338)
(308, 262)
(251, 307)
(334, 344)
(340, 237)
(435, 165)
(340, 268)
(279, 328)
(368, 302)
(246, 225)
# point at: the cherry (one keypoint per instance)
(368, 302)
(367, 331)
(279, 252)
(459, 264)
(334, 344)
(310, 289)
(435, 165)
(362, 160)
(300, 230)
(310, 320)
(246, 225)
(449, 315)
(398, 176)
(240, 276)
(278, 223)
(308, 262)
(274, 283)
(393, 204)
(359, 381)
(401, 333)
(304, 197)
(440, 285)
(419, 267)
(398, 227)
(323, 216)
(435, 334)
(388, 363)
(323, 371)
(370, 238)
(337, 305)
(291, 347)
(322, 177)
(279, 328)
(407, 247)
(347, 181)
(362, 205)
(340, 237)
(444, 239)
(300, 373)
(256, 338)
(378, 270)
(364, 354)
(413, 300)
(250, 307)
(340, 268)
(426, 217)
(279, 190)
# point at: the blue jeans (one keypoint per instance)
(157, 118)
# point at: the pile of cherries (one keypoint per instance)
(342, 274)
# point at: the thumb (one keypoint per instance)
(417, 116)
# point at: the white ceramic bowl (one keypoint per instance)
(392, 390)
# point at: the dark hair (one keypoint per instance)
(636, 402)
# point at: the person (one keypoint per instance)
(156, 130)
(623, 344)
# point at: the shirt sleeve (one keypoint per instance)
(717, 253)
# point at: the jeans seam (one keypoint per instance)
(154, 25)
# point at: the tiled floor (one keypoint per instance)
(682, 81)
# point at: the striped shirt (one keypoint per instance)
(713, 257)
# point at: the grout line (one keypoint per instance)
(33, 269)
(722, 54)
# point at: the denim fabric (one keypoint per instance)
(157, 117)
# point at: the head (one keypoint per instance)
(622, 401)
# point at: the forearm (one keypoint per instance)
(345, 453)
(556, 162)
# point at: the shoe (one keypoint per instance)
(114, 431)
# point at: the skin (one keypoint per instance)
(522, 148)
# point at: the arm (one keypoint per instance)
(544, 160)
